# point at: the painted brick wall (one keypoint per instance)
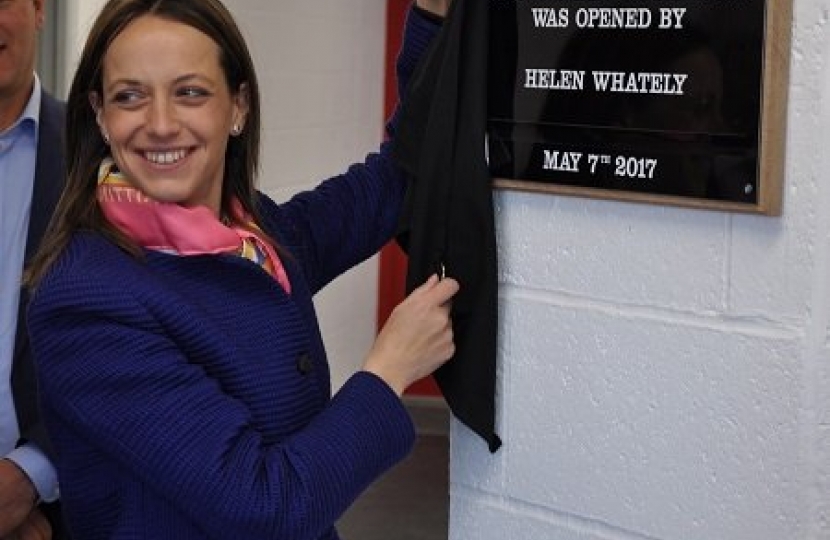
(665, 373)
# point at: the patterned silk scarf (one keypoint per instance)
(180, 230)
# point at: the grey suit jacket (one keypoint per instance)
(50, 172)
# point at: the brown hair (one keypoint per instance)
(85, 148)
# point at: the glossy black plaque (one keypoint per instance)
(668, 104)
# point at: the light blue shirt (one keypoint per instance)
(18, 153)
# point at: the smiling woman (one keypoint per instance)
(184, 380)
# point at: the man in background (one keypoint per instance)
(31, 179)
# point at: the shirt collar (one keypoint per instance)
(32, 110)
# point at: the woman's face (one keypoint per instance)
(168, 111)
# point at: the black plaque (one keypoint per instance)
(656, 97)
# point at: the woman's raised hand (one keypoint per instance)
(439, 7)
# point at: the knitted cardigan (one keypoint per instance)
(189, 397)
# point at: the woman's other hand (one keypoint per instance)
(417, 338)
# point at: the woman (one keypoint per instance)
(183, 376)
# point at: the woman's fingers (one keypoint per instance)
(417, 338)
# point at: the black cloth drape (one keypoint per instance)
(448, 222)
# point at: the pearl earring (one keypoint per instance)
(105, 137)
(236, 130)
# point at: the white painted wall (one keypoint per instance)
(320, 65)
(665, 373)
(79, 17)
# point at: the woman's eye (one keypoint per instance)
(126, 97)
(192, 92)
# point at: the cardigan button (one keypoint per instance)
(304, 364)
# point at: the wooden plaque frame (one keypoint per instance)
(771, 134)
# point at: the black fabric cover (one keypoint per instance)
(448, 222)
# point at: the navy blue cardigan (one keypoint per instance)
(189, 397)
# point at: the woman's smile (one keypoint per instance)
(166, 157)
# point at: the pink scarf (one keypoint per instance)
(176, 229)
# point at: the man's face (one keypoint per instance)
(20, 21)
